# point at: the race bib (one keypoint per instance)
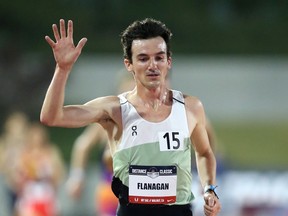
(152, 184)
(171, 141)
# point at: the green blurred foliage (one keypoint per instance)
(64, 138)
(253, 145)
(200, 27)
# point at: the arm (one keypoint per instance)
(59, 167)
(92, 135)
(206, 163)
(211, 135)
(53, 111)
(205, 159)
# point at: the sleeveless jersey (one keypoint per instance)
(165, 143)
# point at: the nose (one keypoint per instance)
(153, 64)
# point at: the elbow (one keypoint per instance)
(46, 120)
(208, 154)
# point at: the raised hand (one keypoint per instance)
(64, 50)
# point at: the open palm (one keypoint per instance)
(64, 50)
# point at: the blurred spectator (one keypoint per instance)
(11, 145)
(39, 171)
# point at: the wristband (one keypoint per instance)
(211, 188)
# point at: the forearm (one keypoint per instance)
(78, 160)
(79, 155)
(206, 165)
(84, 143)
(52, 108)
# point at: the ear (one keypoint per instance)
(128, 65)
(169, 61)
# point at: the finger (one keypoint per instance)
(70, 29)
(81, 43)
(211, 201)
(217, 206)
(207, 212)
(49, 41)
(62, 28)
(56, 32)
(207, 209)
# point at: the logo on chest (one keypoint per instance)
(134, 130)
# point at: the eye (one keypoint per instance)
(143, 59)
(159, 58)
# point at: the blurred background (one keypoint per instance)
(232, 54)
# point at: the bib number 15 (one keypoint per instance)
(171, 141)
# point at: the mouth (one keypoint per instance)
(153, 74)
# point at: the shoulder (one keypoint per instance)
(187, 99)
(194, 105)
(192, 101)
(105, 104)
(105, 100)
(107, 107)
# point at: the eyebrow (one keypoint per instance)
(143, 54)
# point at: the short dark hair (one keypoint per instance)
(145, 29)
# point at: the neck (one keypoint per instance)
(155, 99)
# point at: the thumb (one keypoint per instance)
(209, 199)
(81, 43)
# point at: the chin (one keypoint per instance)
(153, 85)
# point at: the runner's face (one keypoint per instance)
(150, 63)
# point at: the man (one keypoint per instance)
(150, 129)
